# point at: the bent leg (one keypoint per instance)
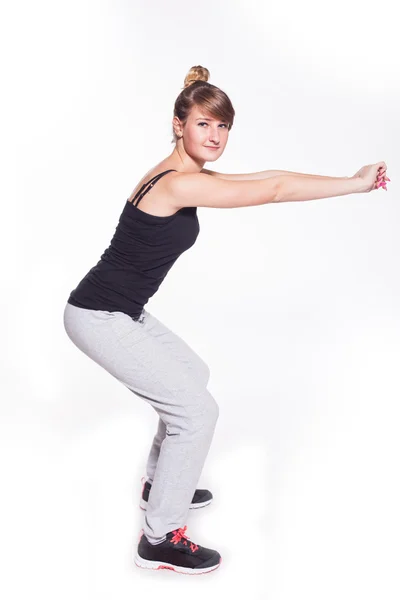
(130, 352)
(195, 365)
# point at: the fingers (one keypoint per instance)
(381, 171)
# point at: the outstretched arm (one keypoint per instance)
(199, 189)
(258, 175)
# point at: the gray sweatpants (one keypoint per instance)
(156, 364)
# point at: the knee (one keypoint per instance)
(213, 410)
(207, 374)
(205, 412)
(204, 370)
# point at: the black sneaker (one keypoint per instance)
(201, 497)
(176, 553)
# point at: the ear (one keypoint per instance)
(177, 126)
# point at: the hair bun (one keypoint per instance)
(197, 73)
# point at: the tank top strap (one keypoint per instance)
(148, 185)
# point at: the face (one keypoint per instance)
(204, 137)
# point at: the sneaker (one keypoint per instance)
(176, 553)
(201, 497)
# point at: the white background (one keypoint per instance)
(295, 307)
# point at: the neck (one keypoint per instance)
(183, 161)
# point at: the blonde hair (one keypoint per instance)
(197, 91)
(198, 73)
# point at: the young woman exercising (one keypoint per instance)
(106, 319)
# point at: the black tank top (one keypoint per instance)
(142, 251)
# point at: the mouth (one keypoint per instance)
(213, 147)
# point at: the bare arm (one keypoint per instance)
(199, 189)
(293, 188)
(257, 175)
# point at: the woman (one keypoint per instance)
(106, 319)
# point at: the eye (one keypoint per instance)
(204, 123)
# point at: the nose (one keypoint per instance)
(214, 137)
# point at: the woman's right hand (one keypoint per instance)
(372, 177)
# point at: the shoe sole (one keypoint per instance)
(143, 504)
(157, 565)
